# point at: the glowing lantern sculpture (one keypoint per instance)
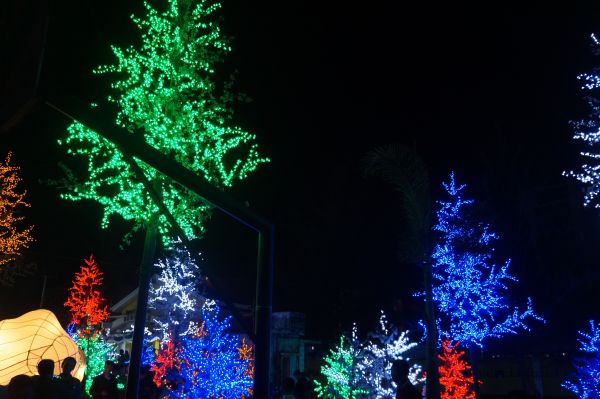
(34, 336)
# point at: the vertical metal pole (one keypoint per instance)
(432, 383)
(43, 291)
(135, 362)
(263, 310)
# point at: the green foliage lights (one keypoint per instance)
(167, 91)
(96, 352)
(340, 371)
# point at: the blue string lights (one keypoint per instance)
(585, 382)
(469, 289)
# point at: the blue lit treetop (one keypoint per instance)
(585, 381)
(469, 288)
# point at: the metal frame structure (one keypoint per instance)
(133, 145)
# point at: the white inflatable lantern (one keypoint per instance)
(34, 336)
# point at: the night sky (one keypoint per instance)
(489, 96)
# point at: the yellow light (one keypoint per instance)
(34, 336)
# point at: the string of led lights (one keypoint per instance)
(588, 131)
(456, 374)
(166, 91)
(585, 381)
(384, 345)
(174, 296)
(342, 378)
(469, 289)
(87, 309)
(13, 237)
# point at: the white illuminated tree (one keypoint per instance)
(174, 295)
(587, 130)
(383, 346)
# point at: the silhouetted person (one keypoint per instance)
(70, 387)
(120, 361)
(517, 395)
(288, 389)
(20, 387)
(45, 386)
(104, 386)
(302, 388)
(404, 389)
(148, 389)
(310, 376)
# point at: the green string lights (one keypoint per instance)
(167, 91)
(342, 377)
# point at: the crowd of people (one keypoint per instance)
(46, 385)
(300, 386)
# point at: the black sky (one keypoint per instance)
(485, 93)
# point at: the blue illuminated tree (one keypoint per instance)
(469, 288)
(210, 363)
(588, 131)
(585, 381)
(205, 362)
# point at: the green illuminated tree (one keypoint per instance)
(343, 379)
(167, 91)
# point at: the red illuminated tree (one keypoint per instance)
(13, 237)
(87, 309)
(86, 304)
(167, 359)
(456, 375)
